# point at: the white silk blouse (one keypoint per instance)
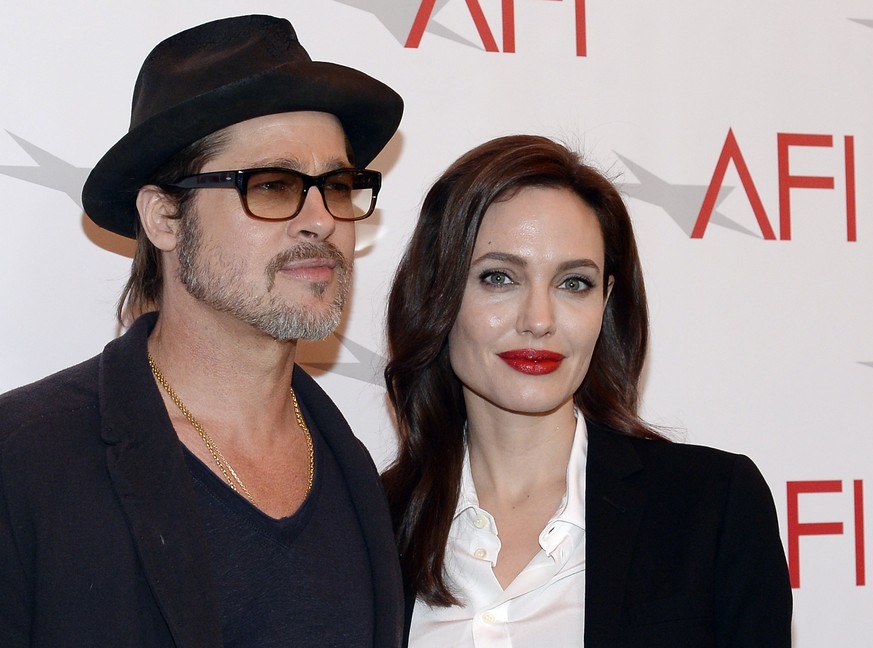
(543, 606)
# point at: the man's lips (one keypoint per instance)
(536, 362)
(310, 269)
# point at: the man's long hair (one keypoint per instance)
(142, 292)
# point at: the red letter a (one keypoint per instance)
(731, 151)
(425, 9)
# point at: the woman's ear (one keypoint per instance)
(157, 215)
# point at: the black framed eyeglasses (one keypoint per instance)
(274, 193)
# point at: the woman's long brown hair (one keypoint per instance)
(423, 482)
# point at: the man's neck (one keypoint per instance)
(234, 382)
(224, 369)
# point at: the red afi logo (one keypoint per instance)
(731, 152)
(796, 528)
(507, 8)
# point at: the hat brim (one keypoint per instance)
(368, 110)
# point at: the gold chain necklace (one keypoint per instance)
(221, 461)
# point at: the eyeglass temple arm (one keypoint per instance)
(219, 179)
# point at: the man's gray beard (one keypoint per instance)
(214, 282)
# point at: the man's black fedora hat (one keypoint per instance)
(218, 74)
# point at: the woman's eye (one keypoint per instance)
(495, 278)
(575, 284)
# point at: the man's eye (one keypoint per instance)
(272, 187)
(338, 188)
(272, 183)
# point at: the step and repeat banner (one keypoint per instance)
(740, 133)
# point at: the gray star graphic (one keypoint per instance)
(52, 171)
(368, 367)
(398, 16)
(866, 364)
(681, 202)
(863, 21)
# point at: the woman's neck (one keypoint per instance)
(515, 456)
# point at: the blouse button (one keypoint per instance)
(480, 521)
(480, 553)
(489, 618)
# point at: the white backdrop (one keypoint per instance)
(761, 303)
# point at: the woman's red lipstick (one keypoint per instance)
(536, 362)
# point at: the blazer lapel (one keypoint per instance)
(370, 505)
(148, 471)
(613, 510)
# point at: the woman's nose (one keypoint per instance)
(536, 316)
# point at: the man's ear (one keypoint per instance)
(157, 215)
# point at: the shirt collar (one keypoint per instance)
(467, 497)
(572, 508)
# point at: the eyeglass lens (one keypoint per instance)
(277, 194)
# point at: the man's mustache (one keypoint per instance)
(306, 251)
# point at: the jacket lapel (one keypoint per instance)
(613, 510)
(371, 507)
(147, 469)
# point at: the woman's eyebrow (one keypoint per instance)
(578, 263)
(505, 257)
(514, 259)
